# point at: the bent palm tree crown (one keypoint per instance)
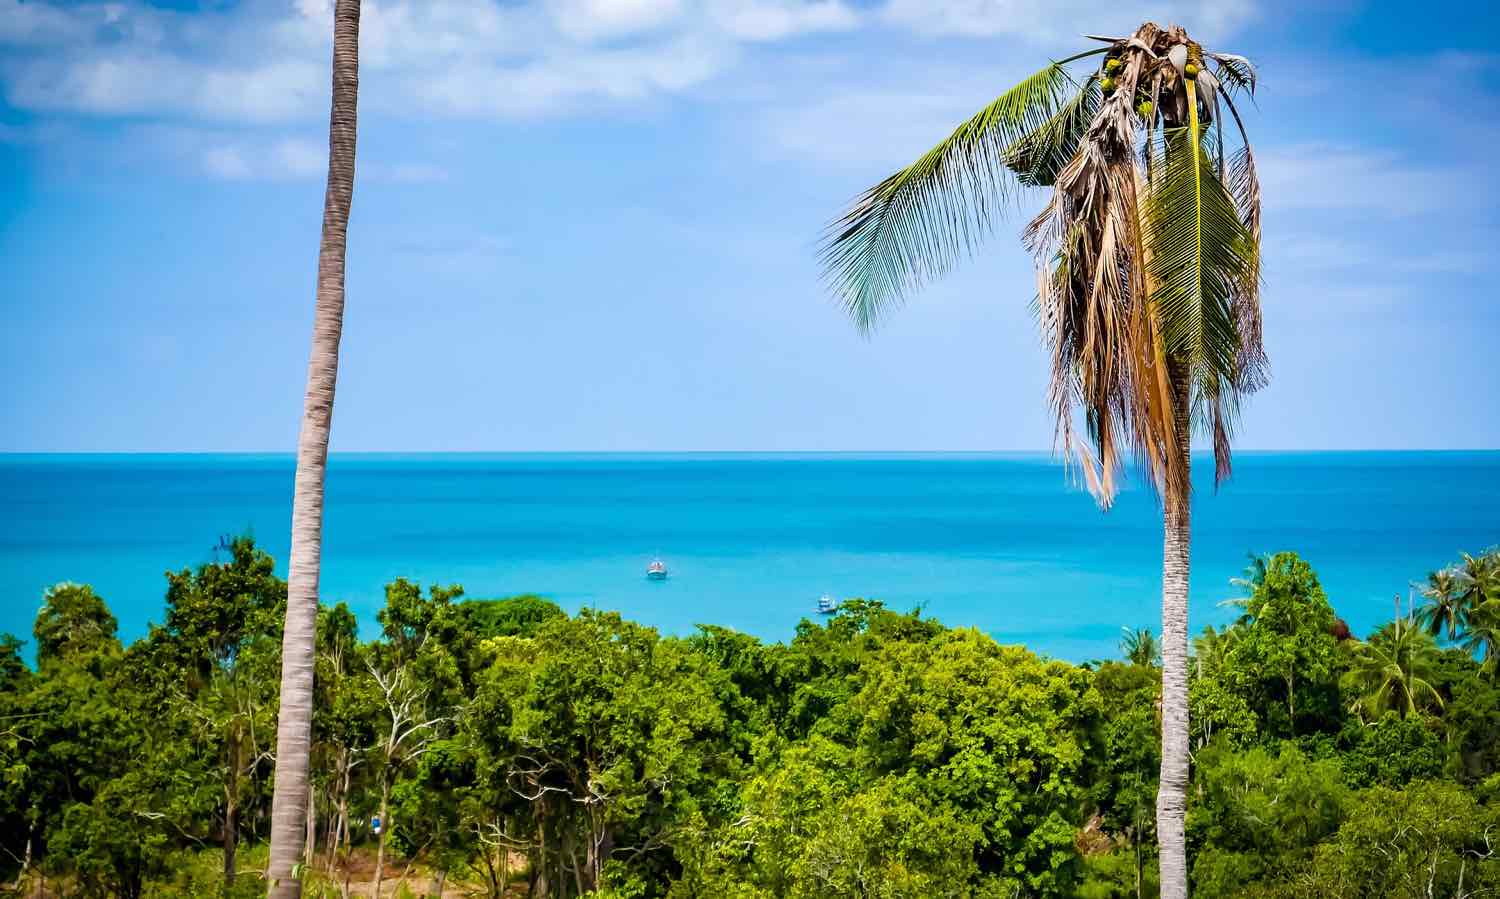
(1147, 250)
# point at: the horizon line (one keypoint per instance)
(716, 452)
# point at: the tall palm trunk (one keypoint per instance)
(294, 721)
(1171, 796)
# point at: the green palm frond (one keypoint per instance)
(1037, 158)
(1393, 672)
(912, 226)
(1202, 256)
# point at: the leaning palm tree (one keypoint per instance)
(1148, 262)
(294, 721)
(1392, 671)
(1444, 613)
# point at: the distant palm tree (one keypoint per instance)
(1478, 578)
(294, 721)
(1481, 636)
(1479, 597)
(1148, 254)
(1444, 612)
(1211, 648)
(1139, 647)
(1252, 579)
(1391, 672)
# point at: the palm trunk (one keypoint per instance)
(294, 720)
(1171, 796)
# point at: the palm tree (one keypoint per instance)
(1211, 648)
(1139, 647)
(1444, 612)
(1148, 282)
(1252, 579)
(294, 721)
(1481, 636)
(1391, 672)
(1478, 579)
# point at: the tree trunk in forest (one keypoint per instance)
(1171, 796)
(310, 849)
(385, 828)
(1291, 704)
(294, 720)
(231, 836)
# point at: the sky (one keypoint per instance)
(591, 225)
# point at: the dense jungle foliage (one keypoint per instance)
(511, 749)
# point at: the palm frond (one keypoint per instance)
(1037, 158)
(913, 225)
(1234, 71)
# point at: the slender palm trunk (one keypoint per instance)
(294, 721)
(1171, 796)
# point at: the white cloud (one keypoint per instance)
(1039, 20)
(774, 20)
(590, 20)
(300, 158)
(1341, 178)
(225, 162)
(265, 63)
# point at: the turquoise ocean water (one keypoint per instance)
(999, 542)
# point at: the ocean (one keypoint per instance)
(1000, 542)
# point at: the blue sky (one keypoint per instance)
(590, 224)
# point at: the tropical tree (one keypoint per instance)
(1393, 671)
(1479, 578)
(1444, 612)
(1139, 647)
(299, 641)
(1148, 282)
(1479, 603)
(1212, 647)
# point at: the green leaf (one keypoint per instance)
(913, 225)
(1202, 254)
(1038, 157)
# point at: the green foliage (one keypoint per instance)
(1394, 671)
(877, 754)
(1284, 660)
(1259, 811)
(1392, 751)
(517, 616)
(73, 624)
(1430, 839)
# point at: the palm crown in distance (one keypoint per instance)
(1148, 253)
